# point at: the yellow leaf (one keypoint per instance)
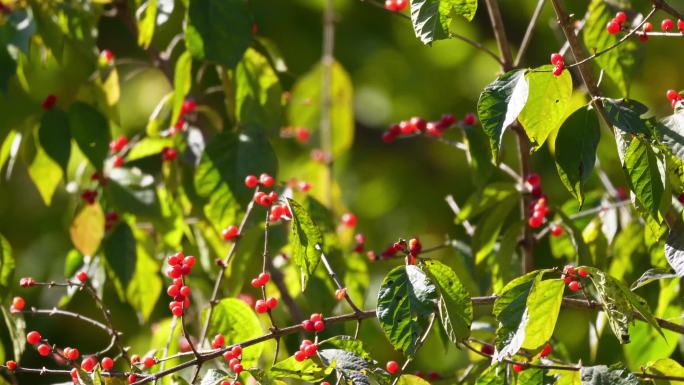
(87, 229)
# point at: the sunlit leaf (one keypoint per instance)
(258, 93)
(311, 370)
(455, 307)
(304, 238)
(237, 322)
(182, 82)
(147, 23)
(87, 229)
(643, 175)
(431, 18)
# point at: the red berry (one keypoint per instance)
(469, 119)
(647, 27)
(230, 232)
(407, 128)
(401, 4)
(106, 55)
(185, 291)
(74, 375)
(487, 349)
(433, 129)
(237, 368)
(107, 364)
(302, 134)
(518, 368)
(228, 355)
(234, 361)
(272, 302)
(672, 95)
(218, 341)
(546, 351)
(447, 120)
(558, 70)
(189, 105)
(556, 230)
(132, 378)
(264, 278)
(88, 364)
(535, 221)
(149, 361)
(261, 306)
(581, 272)
(569, 270)
(418, 122)
(11, 365)
(387, 136)
(18, 303)
(117, 161)
(33, 337)
(667, 25)
(44, 349)
(680, 25)
(613, 27)
(82, 276)
(27, 282)
(574, 286)
(237, 351)
(556, 58)
(349, 219)
(433, 376)
(533, 179)
(300, 356)
(620, 17)
(310, 350)
(118, 144)
(308, 326)
(49, 102)
(567, 279)
(169, 154)
(189, 261)
(319, 326)
(266, 180)
(177, 311)
(392, 367)
(73, 354)
(341, 293)
(251, 181)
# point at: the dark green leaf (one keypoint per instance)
(308, 370)
(132, 198)
(432, 18)
(619, 62)
(90, 130)
(603, 375)
(8, 67)
(652, 275)
(479, 156)
(455, 306)
(349, 344)
(7, 266)
(643, 175)
(625, 114)
(405, 300)
(54, 136)
(576, 145)
(237, 322)
(218, 30)
(16, 326)
(120, 252)
(304, 239)
(258, 93)
(500, 104)
(550, 94)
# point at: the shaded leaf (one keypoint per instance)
(674, 248)
(485, 199)
(643, 175)
(652, 275)
(7, 266)
(625, 115)
(90, 130)
(455, 306)
(479, 156)
(182, 82)
(304, 238)
(54, 136)
(120, 252)
(488, 229)
(350, 366)
(670, 133)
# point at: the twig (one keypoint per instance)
(527, 39)
(500, 34)
(470, 230)
(116, 335)
(419, 344)
(55, 311)
(264, 265)
(336, 281)
(662, 4)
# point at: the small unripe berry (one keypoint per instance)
(392, 367)
(135, 359)
(107, 364)
(574, 286)
(33, 337)
(667, 25)
(82, 276)
(105, 58)
(44, 349)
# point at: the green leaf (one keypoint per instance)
(149, 146)
(352, 368)
(603, 375)
(90, 130)
(304, 238)
(431, 18)
(550, 94)
(120, 252)
(643, 175)
(625, 115)
(145, 286)
(147, 23)
(455, 306)
(583, 252)
(54, 136)
(8, 68)
(87, 229)
(405, 300)
(479, 156)
(576, 145)
(263, 378)
(310, 370)
(488, 229)
(46, 175)
(7, 266)
(258, 93)
(304, 108)
(226, 161)
(410, 379)
(16, 326)
(652, 275)
(132, 197)
(213, 377)
(237, 322)
(481, 201)
(674, 248)
(533, 376)
(500, 104)
(182, 82)
(349, 344)
(619, 62)
(218, 30)
(670, 133)
(665, 367)
(543, 306)
(493, 375)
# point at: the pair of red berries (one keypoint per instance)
(396, 5)
(89, 196)
(264, 199)
(301, 134)
(615, 25)
(392, 250)
(229, 233)
(262, 306)
(261, 280)
(279, 212)
(307, 349)
(264, 179)
(392, 367)
(148, 361)
(18, 304)
(234, 358)
(301, 185)
(118, 144)
(27, 282)
(315, 323)
(360, 240)
(169, 154)
(674, 97)
(71, 354)
(558, 63)
(571, 277)
(110, 219)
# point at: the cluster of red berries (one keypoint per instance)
(264, 305)
(105, 58)
(234, 358)
(392, 367)
(396, 5)
(539, 209)
(417, 125)
(315, 323)
(571, 277)
(301, 134)
(558, 63)
(390, 251)
(278, 212)
(179, 266)
(148, 361)
(49, 102)
(615, 25)
(261, 280)
(18, 304)
(27, 282)
(674, 97)
(300, 185)
(307, 349)
(116, 146)
(261, 197)
(188, 107)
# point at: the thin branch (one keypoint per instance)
(500, 34)
(662, 4)
(264, 265)
(502, 166)
(55, 311)
(165, 352)
(470, 230)
(116, 335)
(278, 280)
(527, 39)
(333, 276)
